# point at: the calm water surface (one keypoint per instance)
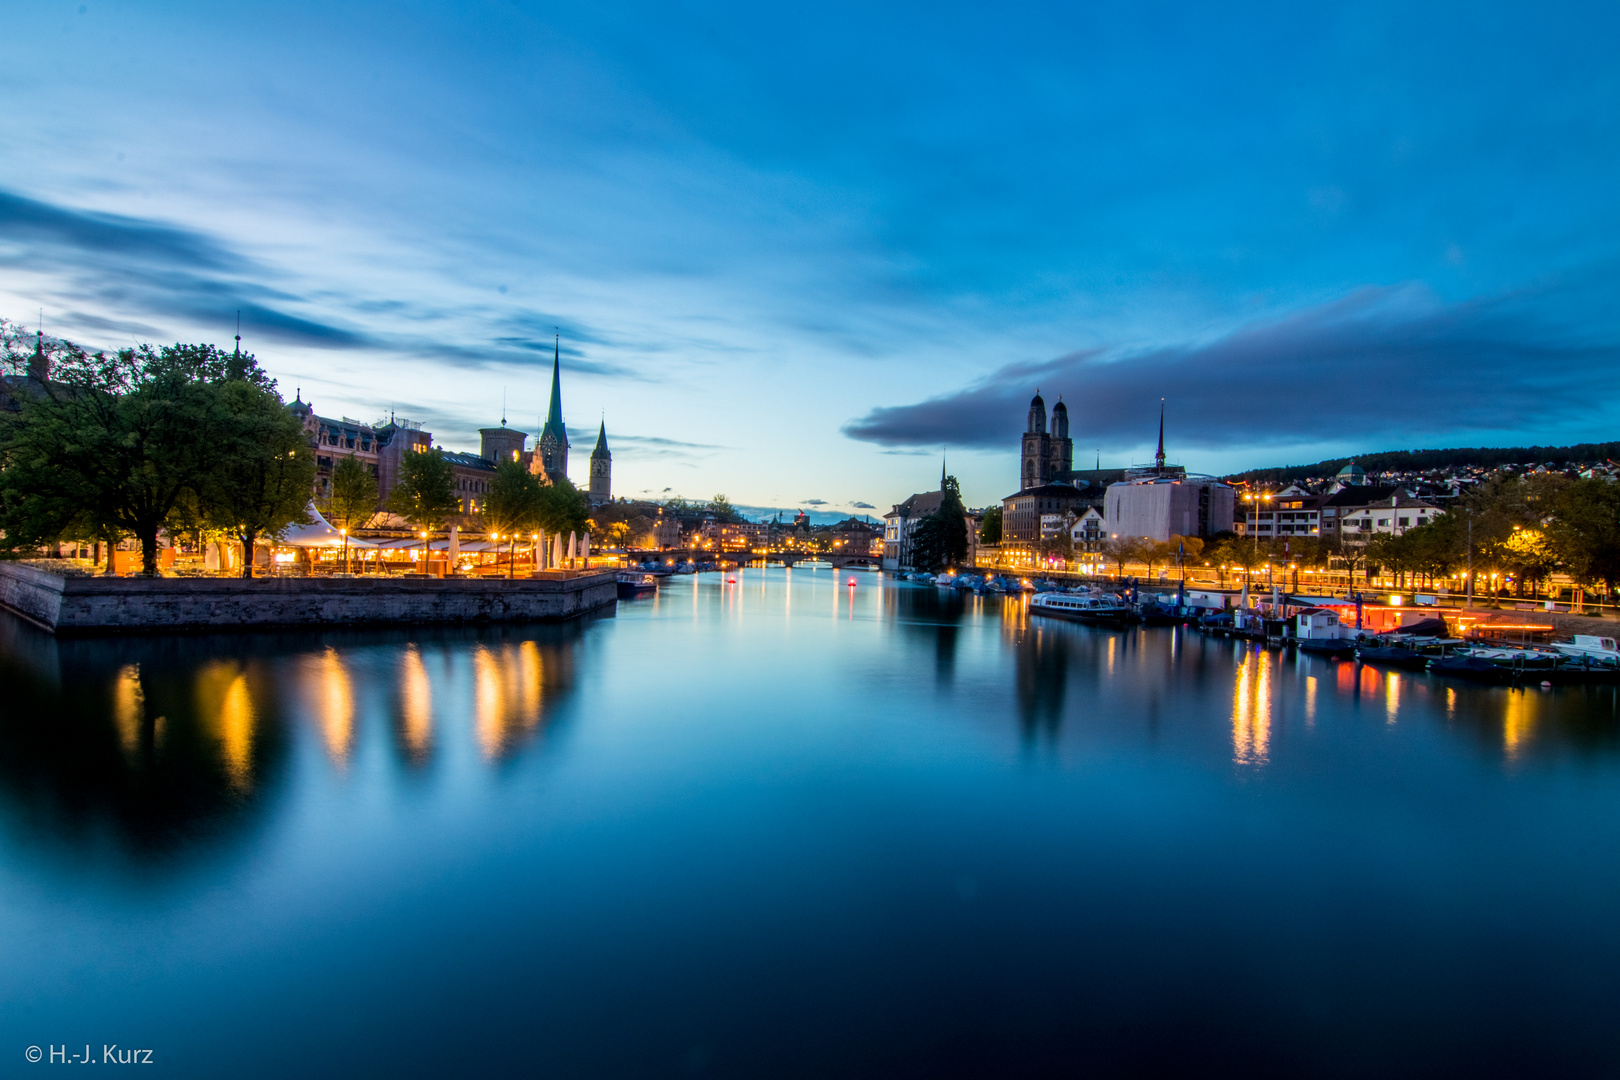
(789, 828)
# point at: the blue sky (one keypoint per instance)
(793, 252)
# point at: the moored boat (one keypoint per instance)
(1393, 655)
(633, 583)
(1476, 668)
(1091, 609)
(1338, 648)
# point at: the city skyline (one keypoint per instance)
(790, 258)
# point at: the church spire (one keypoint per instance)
(39, 368)
(1158, 458)
(601, 442)
(554, 415)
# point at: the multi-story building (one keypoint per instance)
(1088, 530)
(900, 523)
(853, 536)
(1349, 513)
(1159, 501)
(381, 446)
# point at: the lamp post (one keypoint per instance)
(345, 534)
(424, 553)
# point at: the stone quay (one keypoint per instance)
(82, 605)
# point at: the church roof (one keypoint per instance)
(601, 450)
(1050, 491)
(918, 505)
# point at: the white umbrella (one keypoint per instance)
(571, 548)
(540, 549)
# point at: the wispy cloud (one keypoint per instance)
(863, 506)
(155, 268)
(814, 502)
(1381, 361)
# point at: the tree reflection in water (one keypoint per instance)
(934, 614)
(167, 746)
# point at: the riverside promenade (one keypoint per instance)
(83, 605)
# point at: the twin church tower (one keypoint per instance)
(1048, 456)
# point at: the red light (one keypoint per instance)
(852, 583)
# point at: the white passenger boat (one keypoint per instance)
(1091, 609)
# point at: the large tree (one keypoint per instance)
(425, 493)
(940, 539)
(352, 501)
(260, 484)
(990, 526)
(563, 507)
(512, 504)
(119, 440)
(1587, 532)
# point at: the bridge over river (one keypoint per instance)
(754, 558)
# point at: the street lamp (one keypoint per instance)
(345, 534)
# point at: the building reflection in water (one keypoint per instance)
(225, 711)
(415, 705)
(509, 692)
(336, 697)
(1251, 709)
(1042, 675)
(1518, 722)
(129, 708)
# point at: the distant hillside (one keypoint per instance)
(1424, 460)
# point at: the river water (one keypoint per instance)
(788, 827)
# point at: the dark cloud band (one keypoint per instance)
(1383, 362)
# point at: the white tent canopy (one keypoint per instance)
(320, 534)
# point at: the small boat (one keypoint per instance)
(1336, 648)
(1394, 655)
(946, 581)
(1464, 666)
(1090, 609)
(634, 583)
(814, 564)
(1153, 614)
(923, 579)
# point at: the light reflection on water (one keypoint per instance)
(702, 822)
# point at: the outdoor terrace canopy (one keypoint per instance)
(319, 534)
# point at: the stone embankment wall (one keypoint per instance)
(98, 605)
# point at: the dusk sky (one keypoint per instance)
(791, 252)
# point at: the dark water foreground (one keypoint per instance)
(797, 829)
